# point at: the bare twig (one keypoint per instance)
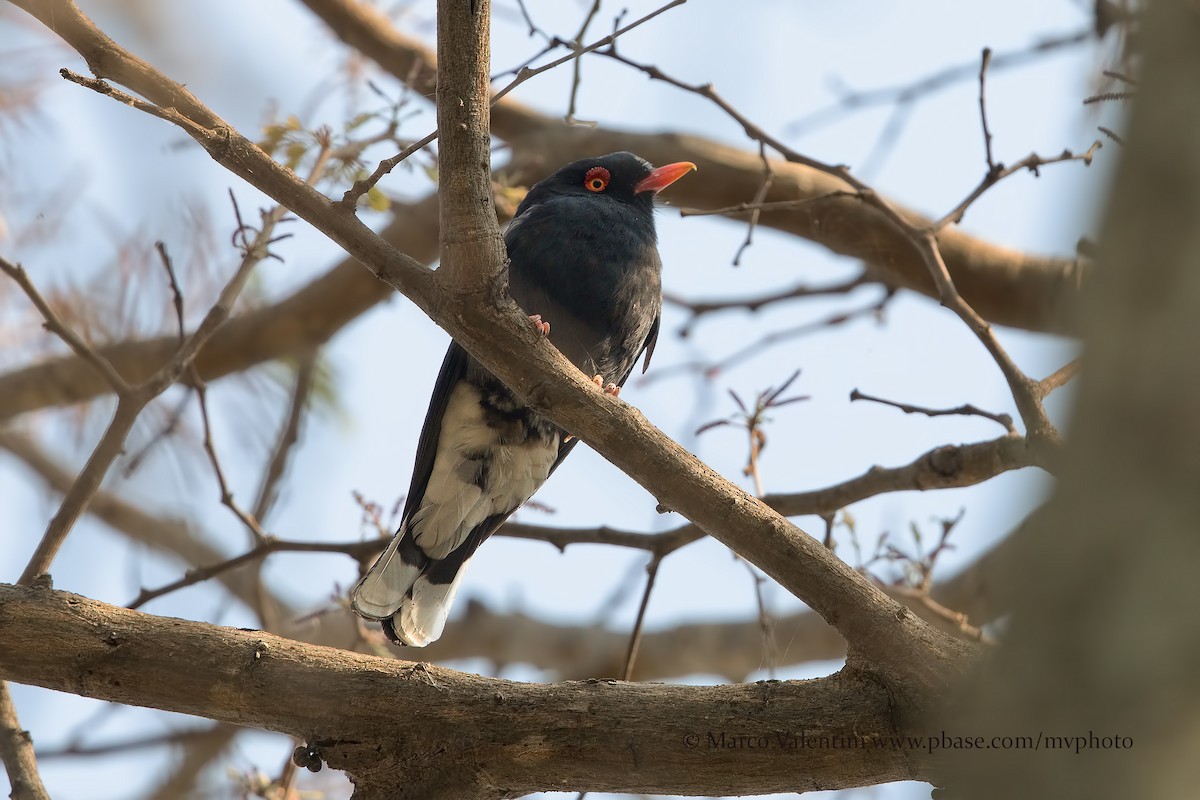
(756, 203)
(656, 543)
(1105, 97)
(533, 29)
(267, 546)
(288, 436)
(361, 187)
(56, 326)
(525, 73)
(987, 134)
(177, 295)
(765, 622)
(16, 751)
(635, 637)
(77, 750)
(699, 308)
(998, 172)
(752, 130)
(774, 205)
(964, 410)
(254, 248)
(1111, 134)
(577, 65)
(710, 369)
(753, 421)
(1059, 377)
(227, 500)
(905, 95)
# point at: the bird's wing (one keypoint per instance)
(454, 368)
(383, 588)
(651, 340)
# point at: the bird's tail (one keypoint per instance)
(398, 590)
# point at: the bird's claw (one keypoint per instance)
(542, 327)
(607, 388)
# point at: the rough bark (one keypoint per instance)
(401, 728)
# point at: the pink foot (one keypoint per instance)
(542, 327)
(609, 388)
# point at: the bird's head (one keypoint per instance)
(616, 177)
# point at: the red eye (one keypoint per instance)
(596, 179)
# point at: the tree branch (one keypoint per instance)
(945, 467)
(385, 721)
(16, 751)
(472, 249)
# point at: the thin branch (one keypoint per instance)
(765, 623)
(1059, 377)
(86, 484)
(177, 295)
(964, 410)
(659, 544)
(360, 187)
(700, 308)
(172, 738)
(577, 66)
(998, 172)
(751, 130)
(946, 467)
(16, 751)
(214, 460)
(635, 637)
(264, 548)
(774, 205)
(525, 73)
(533, 29)
(1105, 97)
(56, 326)
(254, 249)
(756, 203)
(756, 348)
(904, 95)
(1111, 134)
(987, 134)
(288, 436)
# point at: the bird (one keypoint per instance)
(584, 265)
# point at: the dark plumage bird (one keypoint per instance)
(584, 259)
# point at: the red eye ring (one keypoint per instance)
(597, 179)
